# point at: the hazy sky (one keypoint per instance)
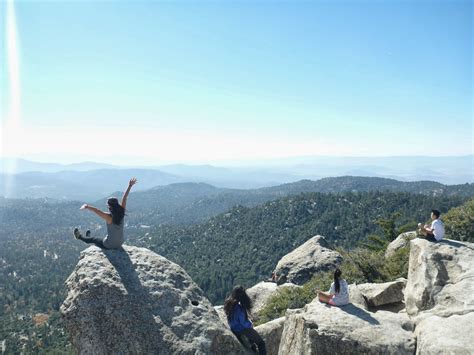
(205, 81)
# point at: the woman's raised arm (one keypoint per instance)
(132, 182)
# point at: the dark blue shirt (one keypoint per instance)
(238, 320)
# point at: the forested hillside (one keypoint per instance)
(36, 256)
(244, 244)
(459, 222)
(190, 203)
(240, 245)
(364, 184)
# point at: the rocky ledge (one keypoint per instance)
(133, 301)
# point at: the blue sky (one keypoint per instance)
(209, 81)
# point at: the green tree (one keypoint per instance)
(459, 222)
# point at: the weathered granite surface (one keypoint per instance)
(133, 301)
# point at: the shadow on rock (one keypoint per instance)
(138, 297)
(455, 244)
(120, 260)
(360, 313)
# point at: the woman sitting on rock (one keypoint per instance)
(114, 221)
(339, 292)
(236, 307)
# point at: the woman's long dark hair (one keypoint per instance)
(117, 211)
(238, 295)
(337, 275)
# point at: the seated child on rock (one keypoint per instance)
(338, 294)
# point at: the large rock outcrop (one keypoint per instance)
(322, 329)
(309, 258)
(440, 278)
(439, 296)
(133, 301)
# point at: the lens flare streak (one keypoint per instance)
(11, 127)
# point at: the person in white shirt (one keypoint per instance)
(435, 232)
(338, 294)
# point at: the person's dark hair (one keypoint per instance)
(117, 211)
(436, 213)
(238, 295)
(337, 275)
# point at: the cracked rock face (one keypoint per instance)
(440, 278)
(271, 334)
(133, 301)
(439, 296)
(309, 258)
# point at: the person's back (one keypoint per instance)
(236, 307)
(238, 320)
(342, 297)
(339, 292)
(114, 238)
(438, 229)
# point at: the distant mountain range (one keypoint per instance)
(80, 185)
(190, 203)
(90, 180)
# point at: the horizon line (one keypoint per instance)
(105, 161)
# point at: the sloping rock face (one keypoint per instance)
(383, 293)
(262, 292)
(439, 296)
(322, 329)
(133, 301)
(222, 315)
(400, 242)
(309, 258)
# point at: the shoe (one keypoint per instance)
(77, 234)
(88, 233)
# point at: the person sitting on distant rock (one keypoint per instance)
(338, 294)
(114, 221)
(435, 232)
(236, 307)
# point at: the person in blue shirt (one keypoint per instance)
(237, 307)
